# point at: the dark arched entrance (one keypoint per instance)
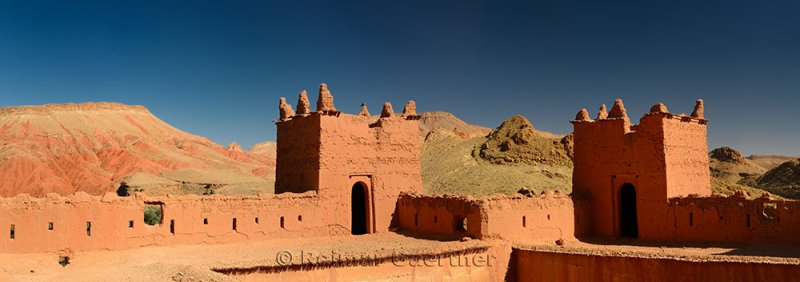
(358, 200)
(627, 211)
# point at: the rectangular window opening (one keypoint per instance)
(50, 226)
(153, 213)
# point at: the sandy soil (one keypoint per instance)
(195, 262)
(199, 262)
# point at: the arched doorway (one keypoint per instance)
(358, 203)
(627, 211)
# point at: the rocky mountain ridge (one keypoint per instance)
(94, 147)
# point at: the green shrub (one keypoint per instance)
(152, 215)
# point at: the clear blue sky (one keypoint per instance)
(217, 68)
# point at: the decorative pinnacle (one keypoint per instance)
(602, 114)
(286, 110)
(659, 108)
(618, 110)
(387, 110)
(303, 105)
(364, 112)
(325, 99)
(410, 109)
(583, 115)
(699, 110)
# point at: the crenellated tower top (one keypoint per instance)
(630, 170)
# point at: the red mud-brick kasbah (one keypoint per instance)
(343, 175)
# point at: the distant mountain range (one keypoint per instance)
(109, 147)
(94, 147)
(779, 175)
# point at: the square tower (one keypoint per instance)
(628, 172)
(351, 160)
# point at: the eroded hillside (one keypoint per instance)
(782, 180)
(755, 175)
(490, 164)
(94, 147)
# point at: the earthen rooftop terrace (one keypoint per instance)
(233, 261)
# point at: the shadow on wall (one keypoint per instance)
(719, 221)
(438, 217)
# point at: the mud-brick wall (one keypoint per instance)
(383, 155)
(298, 149)
(734, 219)
(330, 153)
(397, 164)
(544, 218)
(554, 266)
(82, 222)
(663, 156)
(686, 157)
(440, 215)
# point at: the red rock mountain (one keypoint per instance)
(265, 153)
(91, 147)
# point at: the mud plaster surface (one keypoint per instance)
(771, 254)
(195, 262)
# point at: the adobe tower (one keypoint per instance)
(628, 172)
(353, 159)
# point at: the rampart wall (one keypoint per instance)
(441, 215)
(554, 216)
(734, 219)
(533, 265)
(81, 222)
(547, 217)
